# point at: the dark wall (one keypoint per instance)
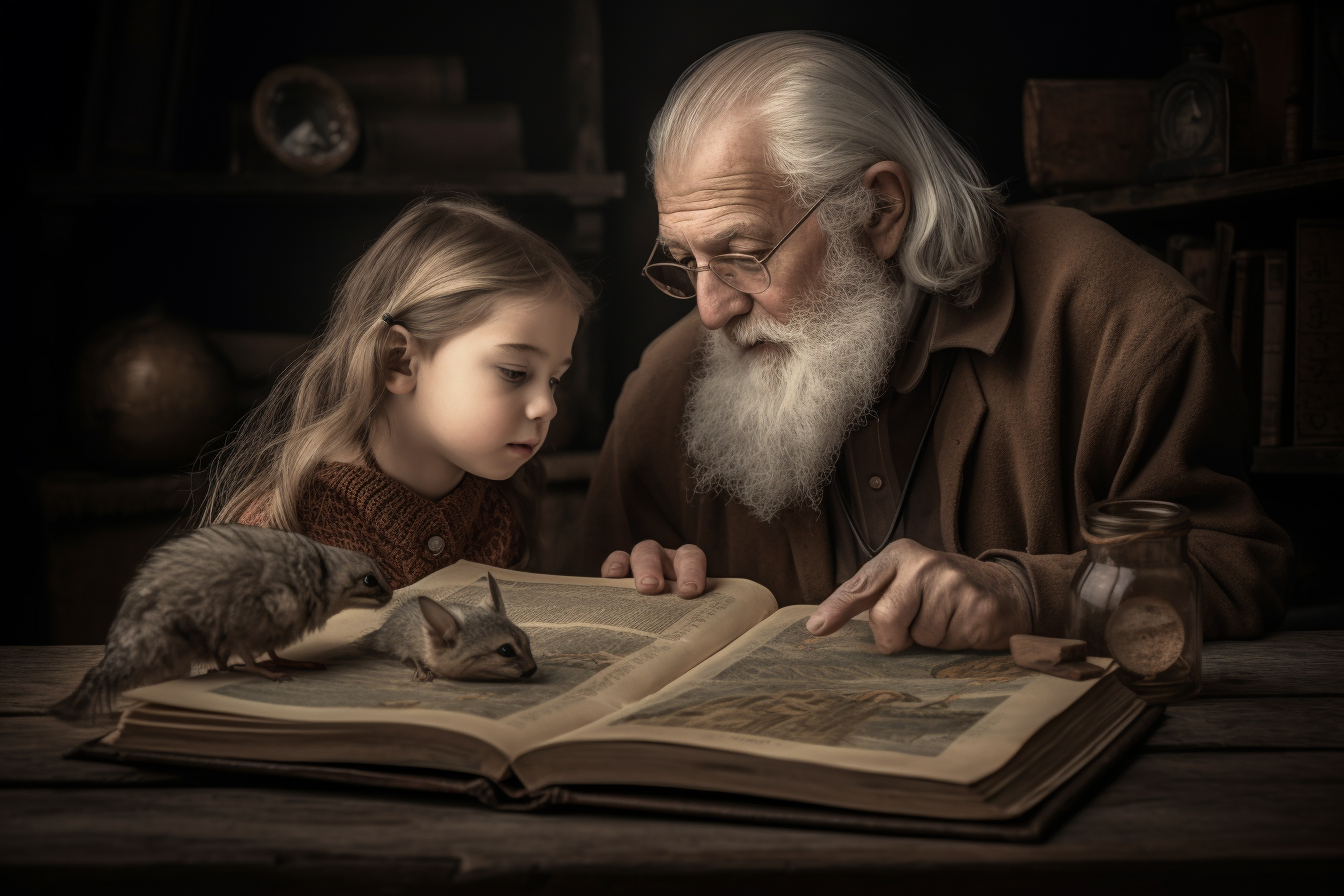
(271, 263)
(968, 60)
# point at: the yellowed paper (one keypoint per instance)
(781, 693)
(600, 646)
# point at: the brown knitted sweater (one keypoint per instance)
(363, 509)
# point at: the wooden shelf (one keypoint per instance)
(1186, 192)
(1323, 460)
(581, 189)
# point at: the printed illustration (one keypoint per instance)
(839, 691)
(576, 632)
(567, 656)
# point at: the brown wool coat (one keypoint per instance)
(1087, 370)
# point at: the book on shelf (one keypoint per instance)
(1206, 263)
(1318, 381)
(1246, 329)
(658, 703)
(1083, 134)
(1274, 338)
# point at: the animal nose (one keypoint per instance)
(528, 673)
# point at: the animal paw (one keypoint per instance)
(424, 675)
(276, 663)
(254, 669)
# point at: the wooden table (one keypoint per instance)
(1241, 788)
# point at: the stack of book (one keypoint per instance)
(1286, 333)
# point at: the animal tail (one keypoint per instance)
(93, 700)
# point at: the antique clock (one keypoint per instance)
(1190, 121)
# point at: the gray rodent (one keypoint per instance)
(455, 640)
(219, 591)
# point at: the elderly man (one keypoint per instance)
(891, 385)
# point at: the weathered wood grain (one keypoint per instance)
(33, 678)
(1228, 789)
(1302, 175)
(32, 750)
(1284, 663)
(1253, 723)
(1166, 808)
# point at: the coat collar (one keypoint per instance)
(938, 325)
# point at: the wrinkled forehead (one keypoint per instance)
(721, 180)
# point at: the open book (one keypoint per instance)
(723, 693)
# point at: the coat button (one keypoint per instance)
(435, 544)
(875, 482)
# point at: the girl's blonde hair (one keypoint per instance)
(442, 267)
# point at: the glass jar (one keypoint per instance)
(1136, 597)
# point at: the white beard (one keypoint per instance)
(767, 427)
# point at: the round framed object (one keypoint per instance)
(1188, 118)
(305, 119)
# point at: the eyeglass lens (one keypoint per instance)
(672, 279)
(740, 272)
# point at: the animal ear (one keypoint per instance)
(496, 599)
(443, 624)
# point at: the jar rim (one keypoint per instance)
(1129, 516)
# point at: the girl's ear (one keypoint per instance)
(401, 357)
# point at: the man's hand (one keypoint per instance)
(915, 595)
(652, 565)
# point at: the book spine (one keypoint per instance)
(1318, 391)
(1222, 245)
(1199, 266)
(1237, 324)
(1275, 334)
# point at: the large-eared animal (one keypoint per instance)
(220, 591)
(455, 640)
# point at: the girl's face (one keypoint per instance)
(484, 399)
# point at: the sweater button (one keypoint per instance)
(875, 483)
(435, 544)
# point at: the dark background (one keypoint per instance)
(269, 263)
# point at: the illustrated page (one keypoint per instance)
(599, 645)
(783, 693)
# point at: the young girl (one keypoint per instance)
(400, 432)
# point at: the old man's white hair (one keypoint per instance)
(768, 429)
(830, 109)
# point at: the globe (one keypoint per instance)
(149, 393)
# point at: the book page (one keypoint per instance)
(782, 693)
(599, 645)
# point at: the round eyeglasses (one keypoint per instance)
(744, 273)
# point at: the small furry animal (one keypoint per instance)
(219, 591)
(455, 640)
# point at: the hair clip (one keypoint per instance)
(389, 319)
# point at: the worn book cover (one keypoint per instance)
(724, 693)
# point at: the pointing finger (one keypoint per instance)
(862, 590)
(846, 602)
(616, 566)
